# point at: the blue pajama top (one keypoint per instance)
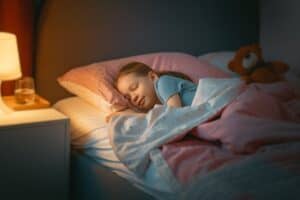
(167, 86)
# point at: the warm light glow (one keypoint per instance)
(9, 57)
(9, 63)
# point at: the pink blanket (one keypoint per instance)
(260, 115)
(229, 124)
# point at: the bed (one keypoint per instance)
(74, 34)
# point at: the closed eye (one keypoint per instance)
(133, 87)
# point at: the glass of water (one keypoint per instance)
(25, 90)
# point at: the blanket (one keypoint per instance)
(229, 126)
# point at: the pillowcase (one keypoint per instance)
(84, 119)
(94, 83)
(220, 60)
(89, 132)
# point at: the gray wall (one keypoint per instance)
(280, 31)
(124, 28)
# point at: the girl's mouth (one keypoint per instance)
(141, 102)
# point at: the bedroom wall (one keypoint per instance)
(280, 31)
(194, 26)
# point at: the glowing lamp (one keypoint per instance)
(9, 63)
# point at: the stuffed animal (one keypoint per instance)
(249, 64)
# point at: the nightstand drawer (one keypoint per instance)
(34, 160)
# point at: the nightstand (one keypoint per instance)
(39, 102)
(34, 155)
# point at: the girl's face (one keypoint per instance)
(139, 89)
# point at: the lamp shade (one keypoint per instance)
(9, 57)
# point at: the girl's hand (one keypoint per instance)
(174, 101)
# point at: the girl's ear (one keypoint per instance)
(152, 75)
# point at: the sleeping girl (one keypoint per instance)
(270, 104)
(144, 87)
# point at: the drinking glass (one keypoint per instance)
(25, 91)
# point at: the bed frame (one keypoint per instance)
(74, 33)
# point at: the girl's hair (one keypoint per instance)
(141, 69)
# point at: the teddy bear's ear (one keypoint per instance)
(231, 66)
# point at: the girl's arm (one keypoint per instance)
(174, 101)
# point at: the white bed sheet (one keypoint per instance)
(89, 133)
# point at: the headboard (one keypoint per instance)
(73, 33)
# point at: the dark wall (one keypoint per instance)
(280, 31)
(193, 26)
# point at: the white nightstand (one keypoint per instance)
(34, 155)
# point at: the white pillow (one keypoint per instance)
(220, 60)
(85, 119)
(89, 132)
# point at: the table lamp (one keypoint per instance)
(9, 63)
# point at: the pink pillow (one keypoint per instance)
(94, 82)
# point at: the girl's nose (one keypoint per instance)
(134, 99)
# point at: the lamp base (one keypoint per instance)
(4, 109)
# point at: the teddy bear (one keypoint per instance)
(250, 65)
